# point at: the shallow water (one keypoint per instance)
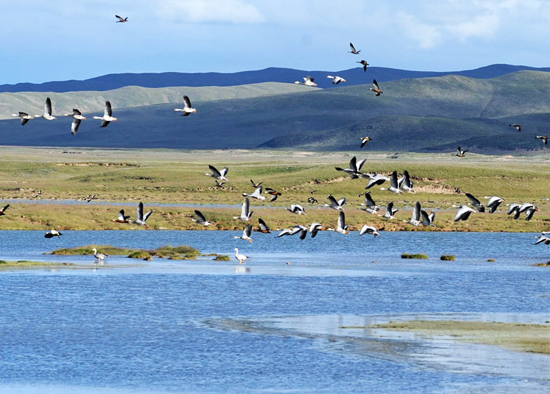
(204, 326)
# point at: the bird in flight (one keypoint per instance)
(516, 126)
(364, 63)
(25, 117)
(364, 140)
(461, 153)
(355, 52)
(121, 19)
(376, 88)
(540, 137)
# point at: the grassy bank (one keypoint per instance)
(181, 252)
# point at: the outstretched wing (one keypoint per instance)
(108, 110)
(186, 102)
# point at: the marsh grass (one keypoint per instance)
(447, 257)
(417, 256)
(181, 252)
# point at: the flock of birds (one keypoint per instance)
(397, 185)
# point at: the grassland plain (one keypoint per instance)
(66, 176)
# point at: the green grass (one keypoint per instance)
(447, 257)
(417, 256)
(181, 252)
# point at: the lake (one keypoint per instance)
(267, 326)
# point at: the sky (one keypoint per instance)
(71, 39)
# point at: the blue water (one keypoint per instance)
(207, 326)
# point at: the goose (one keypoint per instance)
(370, 205)
(99, 256)
(530, 212)
(476, 203)
(390, 212)
(38, 194)
(354, 170)
(296, 209)
(3, 210)
(263, 227)
(514, 209)
(376, 179)
(257, 194)
(200, 219)
(405, 182)
(187, 108)
(493, 203)
(353, 51)
(394, 185)
(89, 197)
(219, 184)
(255, 185)
(77, 118)
(141, 219)
(341, 226)
(427, 220)
(376, 88)
(246, 214)
(336, 79)
(540, 137)
(308, 81)
(47, 111)
(463, 213)
(107, 115)
(526, 206)
(240, 257)
(52, 233)
(219, 175)
(315, 228)
(364, 140)
(122, 218)
(297, 229)
(365, 64)
(543, 239)
(516, 126)
(312, 200)
(415, 218)
(246, 234)
(461, 153)
(121, 19)
(25, 117)
(369, 230)
(338, 205)
(274, 193)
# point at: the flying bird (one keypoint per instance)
(353, 49)
(427, 219)
(461, 153)
(200, 219)
(257, 194)
(341, 226)
(254, 184)
(121, 19)
(187, 108)
(394, 184)
(405, 183)
(369, 230)
(365, 64)
(219, 175)
(371, 206)
(516, 126)
(122, 218)
(52, 233)
(107, 115)
(308, 81)
(338, 205)
(263, 227)
(47, 111)
(77, 118)
(493, 203)
(3, 210)
(415, 218)
(376, 88)
(141, 219)
(390, 212)
(296, 209)
(336, 79)
(274, 193)
(540, 137)
(314, 229)
(476, 203)
(376, 179)
(354, 170)
(25, 117)
(246, 234)
(463, 213)
(364, 140)
(246, 214)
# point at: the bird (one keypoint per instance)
(493, 203)
(415, 218)
(390, 212)
(353, 49)
(540, 137)
(3, 210)
(240, 257)
(529, 210)
(122, 218)
(394, 185)
(257, 194)
(25, 117)
(370, 205)
(219, 175)
(476, 203)
(274, 193)
(246, 234)
(405, 182)
(427, 219)
(336, 79)
(47, 111)
(52, 233)
(219, 184)
(341, 226)
(200, 219)
(543, 239)
(461, 153)
(369, 230)
(246, 214)
(376, 88)
(77, 118)
(89, 197)
(296, 209)
(376, 179)
(121, 19)
(297, 229)
(463, 213)
(338, 205)
(99, 256)
(308, 81)
(365, 64)
(38, 194)
(315, 228)
(254, 184)
(187, 108)
(364, 141)
(514, 209)
(263, 227)
(107, 115)
(516, 126)
(141, 219)
(354, 170)
(312, 200)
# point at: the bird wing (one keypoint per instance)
(263, 226)
(529, 213)
(147, 215)
(431, 216)
(247, 230)
(360, 164)
(258, 191)
(352, 47)
(342, 220)
(353, 164)
(389, 208)
(121, 214)
(333, 202)
(394, 180)
(186, 102)
(245, 208)
(407, 179)
(512, 208)
(119, 17)
(24, 121)
(48, 107)
(493, 200)
(425, 218)
(475, 201)
(75, 125)
(416, 212)
(200, 216)
(5, 207)
(463, 213)
(375, 84)
(224, 171)
(214, 170)
(341, 201)
(108, 110)
(76, 112)
(139, 212)
(104, 123)
(369, 202)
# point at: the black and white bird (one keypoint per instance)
(219, 175)
(394, 184)
(25, 117)
(200, 219)
(47, 111)
(3, 209)
(341, 226)
(543, 239)
(463, 213)
(364, 140)
(52, 233)
(263, 228)
(273, 193)
(141, 218)
(493, 203)
(302, 230)
(375, 88)
(460, 152)
(246, 214)
(246, 234)
(514, 209)
(121, 19)
(405, 182)
(77, 118)
(255, 184)
(370, 205)
(315, 228)
(338, 205)
(353, 51)
(365, 64)
(529, 210)
(415, 217)
(107, 115)
(296, 209)
(390, 212)
(516, 126)
(366, 229)
(354, 170)
(187, 108)
(99, 256)
(543, 138)
(427, 219)
(336, 79)
(122, 218)
(476, 203)
(308, 81)
(376, 179)
(257, 194)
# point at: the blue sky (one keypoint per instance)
(60, 40)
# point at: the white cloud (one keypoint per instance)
(207, 11)
(427, 36)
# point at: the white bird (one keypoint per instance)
(427, 220)
(476, 203)
(99, 256)
(370, 205)
(200, 219)
(543, 239)
(25, 117)
(297, 209)
(187, 109)
(287, 231)
(219, 175)
(493, 203)
(246, 234)
(77, 118)
(341, 226)
(107, 115)
(336, 79)
(308, 81)
(530, 212)
(240, 257)
(415, 218)
(141, 219)
(369, 230)
(338, 205)
(47, 111)
(257, 194)
(246, 214)
(394, 185)
(354, 170)
(315, 228)
(405, 182)
(514, 209)
(376, 179)
(390, 212)
(122, 218)
(52, 233)
(463, 213)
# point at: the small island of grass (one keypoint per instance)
(182, 252)
(419, 256)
